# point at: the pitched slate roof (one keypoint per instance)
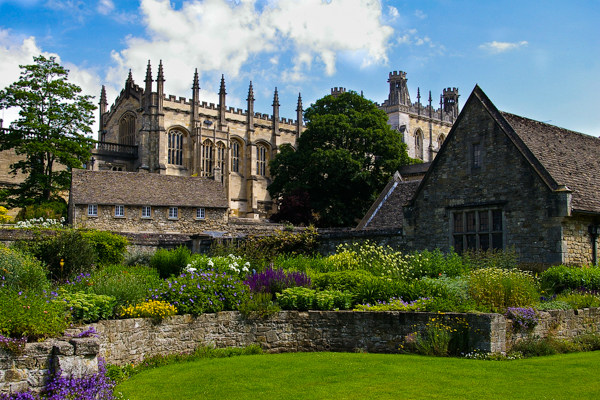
(570, 158)
(133, 188)
(386, 211)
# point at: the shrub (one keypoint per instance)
(36, 223)
(109, 247)
(76, 252)
(443, 336)
(31, 314)
(199, 292)
(154, 309)
(4, 218)
(551, 303)
(340, 280)
(560, 278)
(395, 304)
(21, 271)
(501, 288)
(536, 346)
(232, 265)
(303, 299)
(259, 305)
(138, 257)
(579, 299)
(373, 289)
(524, 318)
(491, 258)
(170, 262)
(128, 285)
(49, 210)
(302, 263)
(89, 307)
(275, 280)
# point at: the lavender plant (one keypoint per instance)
(276, 280)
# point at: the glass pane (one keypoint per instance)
(458, 222)
(484, 241)
(497, 241)
(497, 220)
(471, 242)
(471, 221)
(484, 224)
(458, 244)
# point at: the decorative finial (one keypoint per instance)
(276, 99)
(250, 93)
(160, 76)
(196, 84)
(222, 90)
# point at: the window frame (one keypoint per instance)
(480, 228)
(173, 213)
(261, 160)
(149, 209)
(94, 210)
(121, 208)
(175, 147)
(200, 213)
(235, 156)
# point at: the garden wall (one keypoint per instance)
(76, 357)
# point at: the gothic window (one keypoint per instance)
(235, 155)
(477, 230)
(441, 139)
(175, 151)
(221, 156)
(419, 144)
(261, 160)
(208, 157)
(476, 155)
(127, 130)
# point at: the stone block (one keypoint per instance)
(77, 366)
(63, 348)
(86, 346)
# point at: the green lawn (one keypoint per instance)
(369, 376)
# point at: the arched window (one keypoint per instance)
(208, 157)
(261, 160)
(127, 130)
(419, 144)
(236, 149)
(441, 139)
(175, 151)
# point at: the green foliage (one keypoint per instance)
(128, 285)
(21, 271)
(197, 293)
(303, 299)
(267, 248)
(32, 314)
(55, 209)
(76, 251)
(232, 265)
(443, 336)
(155, 309)
(561, 277)
(374, 289)
(53, 128)
(553, 305)
(89, 307)
(549, 346)
(579, 299)
(170, 262)
(492, 258)
(259, 305)
(343, 281)
(344, 158)
(395, 305)
(301, 262)
(110, 248)
(138, 257)
(502, 288)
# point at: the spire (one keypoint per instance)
(103, 105)
(148, 79)
(222, 105)
(250, 107)
(430, 108)
(160, 87)
(195, 96)
(103, 101)
(130, 77)
(160, 77)
(276, 113)
(299, 115)
(441, 107)
(418, 101)
(196, 84)
(276, 99)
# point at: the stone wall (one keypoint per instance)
(75, 357)
(577, 240)
(129, 341)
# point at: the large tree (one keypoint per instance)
(52, 133)
(344, 158)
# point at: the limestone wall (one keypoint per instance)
(75, 357)
(577, 240)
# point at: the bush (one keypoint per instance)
(579, 299)
(395, 304)
(492, 258)
(232, 265)
(76, 251)
(524, 318)
(345, 281)
(89, 307)
(443, 336)
(138, 257)
(128, 285)
(302, 263)
(170, 262)
(109, 247)
(199, 292)
(154, 309)
(4, 218)
(276, 280)
(560, 278)
(48, 210)
(501, 288)
(259, 305)
(303, 299)
(21, 271)
(536, 346)
(375, 289)
(31, 314)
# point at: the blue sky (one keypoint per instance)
(537, 59)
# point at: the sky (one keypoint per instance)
(540, 60)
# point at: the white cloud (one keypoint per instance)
(219, 36)
(500, 47)
(411, 37)
(105, 7)
(420, 14)
(393, 13)
(19, 50)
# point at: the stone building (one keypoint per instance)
(152, 203)
(148, 131)
(424, 128)
(502, 180)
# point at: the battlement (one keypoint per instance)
(337, 91)
(450, 91)
(395, 75)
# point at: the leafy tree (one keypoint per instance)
(345, 157)
(52, 128)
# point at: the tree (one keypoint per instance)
(52, 128)
(345, 157)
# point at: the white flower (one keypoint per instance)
(211, 263)
(247, 264)
(245, 269)
(190, 269)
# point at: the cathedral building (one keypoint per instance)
(148, 131)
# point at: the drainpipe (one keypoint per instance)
(594, 230)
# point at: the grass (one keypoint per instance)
(369, 376)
